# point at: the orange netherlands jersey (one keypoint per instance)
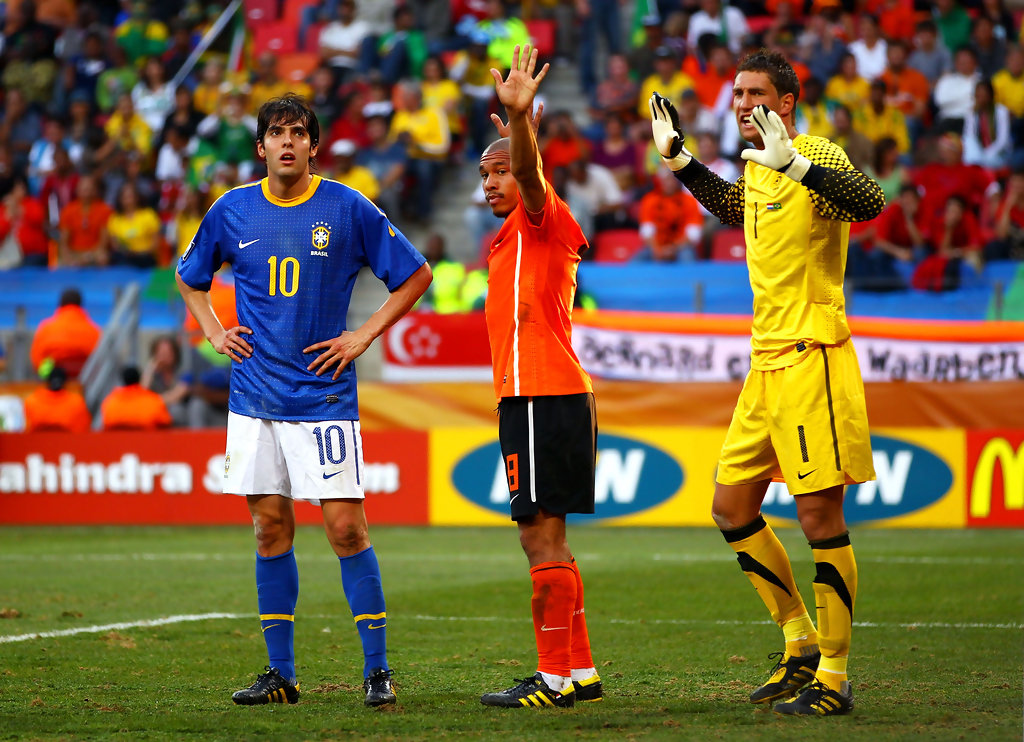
(530, 288)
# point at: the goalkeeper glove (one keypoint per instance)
(668, 137)
(779, 152)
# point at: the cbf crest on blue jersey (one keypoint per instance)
(321, 238)
(294, 264)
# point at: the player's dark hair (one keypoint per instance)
(288, 109)
(778, 69)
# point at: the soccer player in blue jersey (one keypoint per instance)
(296, 242)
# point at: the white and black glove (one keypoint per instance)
(668, 137)
(779, 152)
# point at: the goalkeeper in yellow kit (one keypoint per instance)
(801, 415)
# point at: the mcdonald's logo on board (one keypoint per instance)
(995, 461)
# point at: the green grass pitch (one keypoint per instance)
(680, 637)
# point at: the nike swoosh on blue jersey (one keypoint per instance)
(242, 245)
(328, 476)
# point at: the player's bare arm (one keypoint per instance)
(516, 92)
(720, 197)
(348, 346)
(227, 342)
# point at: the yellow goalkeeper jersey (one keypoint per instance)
(796, 257)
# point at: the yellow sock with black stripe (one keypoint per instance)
(763, 558)
(835, 588)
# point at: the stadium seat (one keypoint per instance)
(292, 11)
(297, 66)
(616, 245)
(728, 245)
(542, 33)
(277, 37)
(311, 42)
(258, 12)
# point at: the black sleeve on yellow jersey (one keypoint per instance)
(844, 195)
(719, 196)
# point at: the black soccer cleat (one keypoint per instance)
(530, 693)
(379, 691)
(787, 677)
(269, 687)
(589, 689)
(818, 700)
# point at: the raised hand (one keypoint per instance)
(779, 152)
(668, 136)
(517, 90)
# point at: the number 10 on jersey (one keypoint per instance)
(286, 276)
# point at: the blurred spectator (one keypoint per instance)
(232, 132)
(386, 160)
(908, 89)
(119, 78)
(1008, 83)
(882, 120)
(51, 407)
(376, 99)
(206, 97)
(135, 231)
(83, 70)
(674, 29)
(958, 235)
(954, 92)
(161, 375)
(400, 52)
(990, 50)
(126, 130)
(714, 77)
(709, 154)
(481, 223)
(442, 93)
(129, 167)
(598, 18)
(85, 136)
(188, 214)
(1008, 242)
(471, 68)
(621, 155)
(133, 407)
(351, 123)
(183, 116)
(59, 187)
(83, 225)
(141, 35)
(28, 45)
(617, 93)
(869, 48)
(19, 127)
(668, 80)
(23, 238)
(996, 11)
(42, 154)
(858, 147)
(930, 56)
(987, 137)
(821, 47)
(848, 87)
(812, 112)
(266, 83)
(670, 222)
(424, 132)
(953, 23)
(898, 236)
(595, 198)
(561, 142)
(503, 33)
(727, 23)
(67, 338)
(896, 20)
(641, 58)
(342, 39)
(444, 295)
(172, 159)
(152, 96)
(179, 49)
(323, 97)
(949, 175)
(345, 170)
(887, 170)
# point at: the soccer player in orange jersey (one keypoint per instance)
(546, 419)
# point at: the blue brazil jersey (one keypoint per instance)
(295, 263)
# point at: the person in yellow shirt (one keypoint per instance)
(348, 173)
(801, 414)
(668, 80)
(442, 93)
(135, 230)
(847, 87)
(207, 95)
(185, 222)
(1008, 83)
(267, 84)
(813, 112)
(424, 132)
(879, 119)
(126, 130)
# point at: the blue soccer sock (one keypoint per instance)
(277, 589)
(360, 578)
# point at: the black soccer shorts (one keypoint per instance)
(549, 446)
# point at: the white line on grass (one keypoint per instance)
(167, 620)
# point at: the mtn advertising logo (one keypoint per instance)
(632, 476)
(909, 478)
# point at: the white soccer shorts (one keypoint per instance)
(310, 461)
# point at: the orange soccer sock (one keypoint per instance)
(554, 599)
(580, 657)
